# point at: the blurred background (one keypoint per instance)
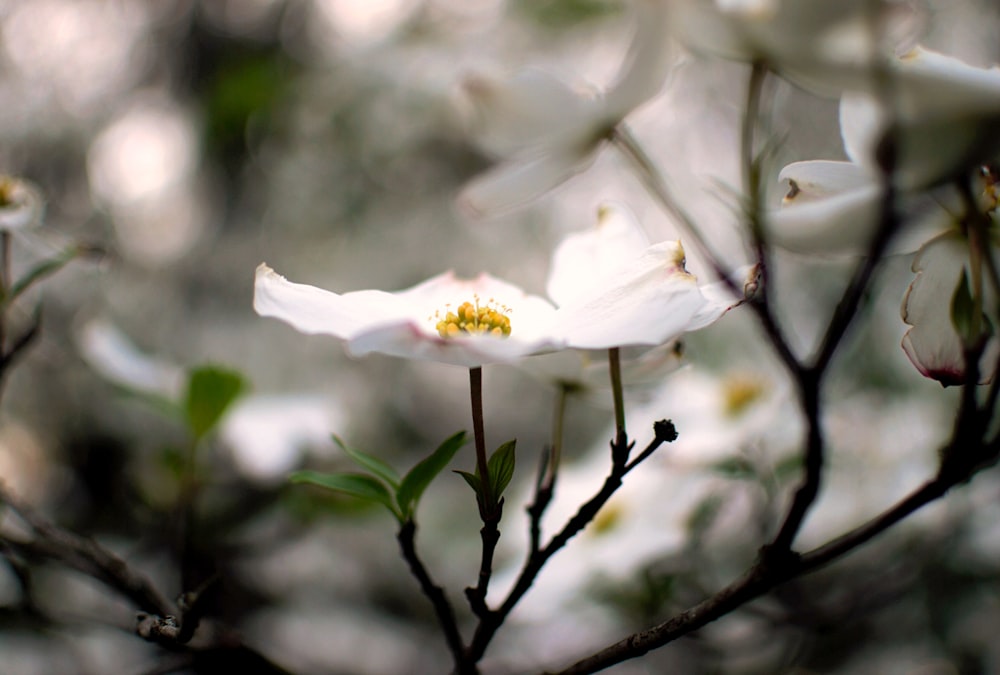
(190, 141)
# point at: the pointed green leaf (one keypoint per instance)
(471, 478)
(419, 477)
(210, 392)
(501, 468)
(353, 484)
(373, 464)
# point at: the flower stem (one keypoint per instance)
(615, 369)
(486, 505)
(558, 426)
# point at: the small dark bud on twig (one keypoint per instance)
(665, 431)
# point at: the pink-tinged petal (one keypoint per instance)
(649, 303)
(517, 182)
(583, 260)
(646, 65)
(531, 110)
(312, 310)
(932, 344)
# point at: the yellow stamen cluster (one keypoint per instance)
(474, 318)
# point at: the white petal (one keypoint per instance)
(931, 84)
(312, 310)
(646, 65)
(932, 343)
(651, 302)
(530, 110)
(583, 260)
(404, 323)
(836, 224)
(110, 352)
(719, 298)
(861, 126)
(519, 181)
(820, 178)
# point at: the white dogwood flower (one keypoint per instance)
(543, 131)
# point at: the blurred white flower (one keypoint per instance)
(821, 45)
(932, 343)
(544, 131)
(942, 123)
(21, 204)
(266, 434)
(943, 114)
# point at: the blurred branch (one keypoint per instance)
(82, 554)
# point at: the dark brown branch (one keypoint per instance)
(536, 559)
(442, 607)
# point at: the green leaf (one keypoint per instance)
(210, 392)
(471, 478)
(501, 468)
(373, 464)
(419, 477)
(353, 484)
(962, 310)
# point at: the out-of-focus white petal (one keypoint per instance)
(836, 224)
(521, 180)
(945, 113)
(821, 45)
(651, 302)
(861, 125)
(583, 260)
(21, 204)
(820, 178)
(530, 109)
(647, 64)
(932, 343)
(109, 352)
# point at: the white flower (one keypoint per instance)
(21, 204)
(266, 434)
(944, 114)
(648, 300)
(612, 270)
(544, 132)
(591, 264)
(819, 44)
(417, 322)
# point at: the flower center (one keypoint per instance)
(474, 318)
